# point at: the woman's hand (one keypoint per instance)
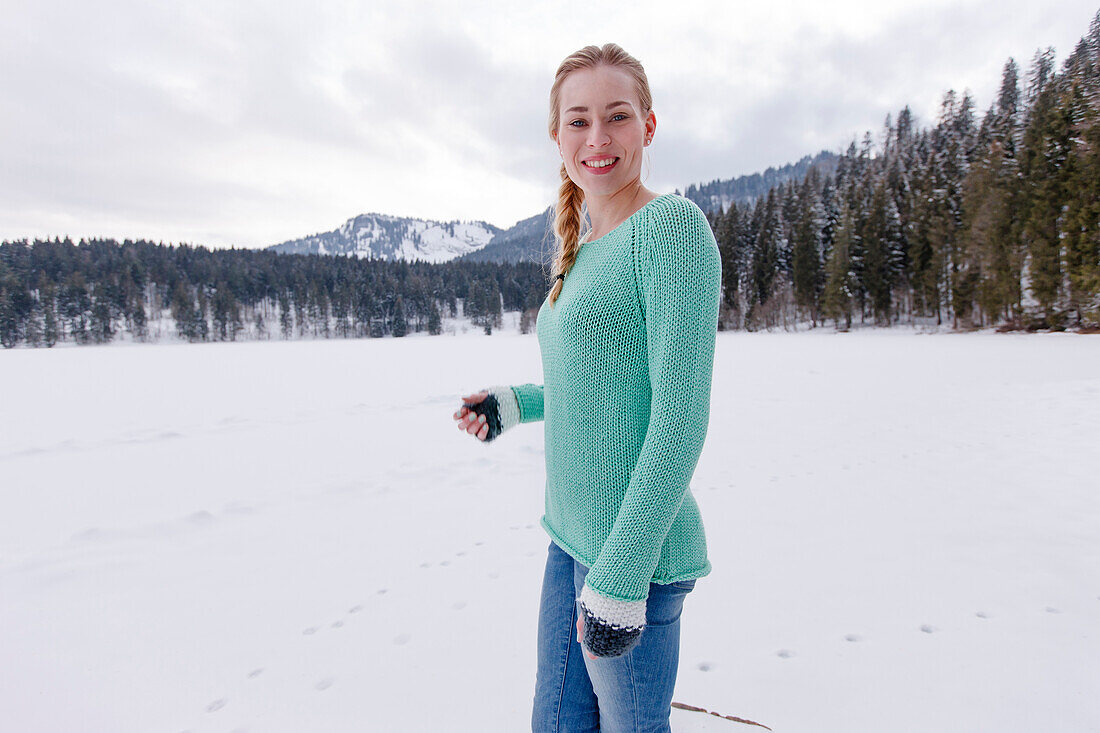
(469, 420)
(580, 637)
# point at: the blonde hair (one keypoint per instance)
(567, 219)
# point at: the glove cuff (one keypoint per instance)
(507, 405)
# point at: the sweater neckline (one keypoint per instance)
(584, 238)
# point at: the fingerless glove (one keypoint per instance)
(500, 408)
(611, 627)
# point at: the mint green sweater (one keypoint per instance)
(627, 357)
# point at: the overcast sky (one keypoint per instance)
(231, 123)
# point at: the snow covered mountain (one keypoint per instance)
(388, 237)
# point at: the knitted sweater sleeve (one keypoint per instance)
(529, 399)
(679, 274)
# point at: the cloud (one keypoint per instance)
(248, 123)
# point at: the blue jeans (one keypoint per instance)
(627, 694)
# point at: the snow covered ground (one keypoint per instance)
(294, 537)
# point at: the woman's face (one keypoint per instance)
(601, 123)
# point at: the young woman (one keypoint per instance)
(627, 337)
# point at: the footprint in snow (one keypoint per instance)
(310, 630)
(337, 624)
(255, 673)
(458, 605)
(1052, 609)
(928, 628)
(784, 653)
(381, 591)
(355, 609)
(853, 637)
(401, 639)
(324, 684)
(982, 614)
(703, 666)
(216, 705)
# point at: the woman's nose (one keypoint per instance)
(597, 136)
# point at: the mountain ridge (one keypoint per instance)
(386, 236)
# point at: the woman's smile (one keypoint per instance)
(601, 166)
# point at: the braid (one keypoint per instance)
(567, 228)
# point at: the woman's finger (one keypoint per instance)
(464, 412)
(580, 637)
(470, 421)
(464, 415)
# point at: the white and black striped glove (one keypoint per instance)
(611, 627)
(500, 408)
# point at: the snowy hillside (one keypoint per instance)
(396, 238)
(293, 537)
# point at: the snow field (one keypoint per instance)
(293, 536)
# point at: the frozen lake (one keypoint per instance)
(293, 536)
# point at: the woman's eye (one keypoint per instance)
(574, 123)
(620, 115)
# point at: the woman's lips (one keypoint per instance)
(603, 169)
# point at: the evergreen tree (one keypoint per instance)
(48, 297)
(806, 266)
(734, 237)
(877, 271)
(836, 301)
(286, 319)
(400, 327)
(435, 321)
(1082, 180)
(101, 325)
(184, 312)
(1045, 151)
(765, 256)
